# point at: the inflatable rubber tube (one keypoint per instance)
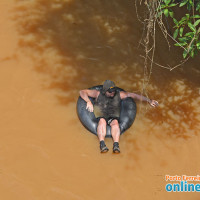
(90, 122)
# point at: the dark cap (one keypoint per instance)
(108, 85)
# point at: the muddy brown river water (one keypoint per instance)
(52, 49)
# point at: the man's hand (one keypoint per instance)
(90, 106)
(153, 103)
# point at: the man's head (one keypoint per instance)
(109, 88)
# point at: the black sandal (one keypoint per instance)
(103, 147)
(116, 148)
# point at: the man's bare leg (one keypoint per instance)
(101, 129)
(101, 132)
(115, 132)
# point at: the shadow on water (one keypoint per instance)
(88, 40)
(82, 43)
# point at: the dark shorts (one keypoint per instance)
(109, 120)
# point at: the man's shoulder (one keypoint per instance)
(93, 93)
(123, 94)
(95, 90)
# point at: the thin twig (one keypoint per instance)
(182, 62)
(169, 68)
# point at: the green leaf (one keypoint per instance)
(189, 34)
(192, 27)
(175, 21)
(195, 51)
(181, 44)
(185, 53)
(171, 14)
(198, 45)
(191, 2)
(175, 33)
(181, 31)
(191, 47)
(187, 16)
(183, 20)
(166, 12)
(159, 14)
(163, 6)
(195, 16)
(197, 22)
(183, 39)
(192, 53)
(189, 6)
(198, 6)
(172, 5)
(183, 3)
(167, 1)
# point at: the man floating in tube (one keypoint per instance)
(108, 101)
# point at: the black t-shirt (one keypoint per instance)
(108, 107)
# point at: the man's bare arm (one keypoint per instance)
(85, 94)
(124, 95)
(88, 93)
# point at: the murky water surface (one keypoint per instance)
(52, 49)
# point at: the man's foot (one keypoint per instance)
(116, 148)
(103, 147)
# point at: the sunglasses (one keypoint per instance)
(111, 89)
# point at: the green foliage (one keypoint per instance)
(187, 28)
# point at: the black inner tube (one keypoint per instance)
(90, 122)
